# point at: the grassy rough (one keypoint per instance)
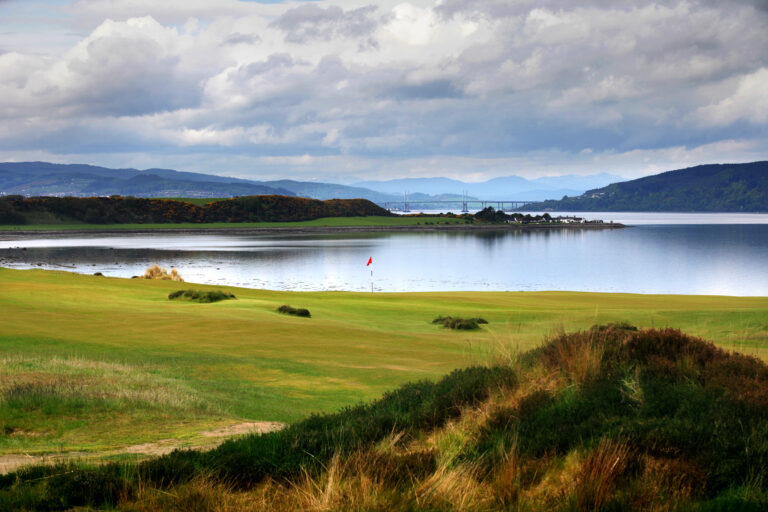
(610, 418)
(85, 405)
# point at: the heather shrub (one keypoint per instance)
(461, 324)
(289, 310)
(202, 297)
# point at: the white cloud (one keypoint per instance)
(353, 83)
(748, 102)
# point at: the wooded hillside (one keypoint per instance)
(705, 188)
(17, 210)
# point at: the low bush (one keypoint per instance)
(288, 310)
(461, 324)
(202, 297)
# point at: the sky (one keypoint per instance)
(352, 90)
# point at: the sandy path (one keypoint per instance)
(13, 462)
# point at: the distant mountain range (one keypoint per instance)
(46, 179)
(79, 180)
(509, 187)
(704, 188)
(710, 188)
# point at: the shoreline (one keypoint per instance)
(7, 234)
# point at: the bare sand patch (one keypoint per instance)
(251, 427)
(157, 448)
(12, 462)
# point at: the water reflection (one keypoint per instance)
(698, 259)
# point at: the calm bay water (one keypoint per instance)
(685, 255)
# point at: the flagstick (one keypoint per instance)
(371, 278)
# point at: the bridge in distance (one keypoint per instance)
(499, 204)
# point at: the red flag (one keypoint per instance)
(370, 260)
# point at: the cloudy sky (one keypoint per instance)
(341, 90)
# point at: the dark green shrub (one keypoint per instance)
(462, 324)
(95, 487)
(288, 310)
(202, 297)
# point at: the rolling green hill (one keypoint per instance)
(705, 188)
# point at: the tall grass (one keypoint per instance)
(46, 400)
(97, 379)
(158, 272)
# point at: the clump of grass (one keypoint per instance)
(289, 310)
(49, 398)
(599, 474)
(202, 297)
(460, 324)
(158, 272)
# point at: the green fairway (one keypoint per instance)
(323, 222)
(94, 363)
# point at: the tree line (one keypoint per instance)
(19, 210)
